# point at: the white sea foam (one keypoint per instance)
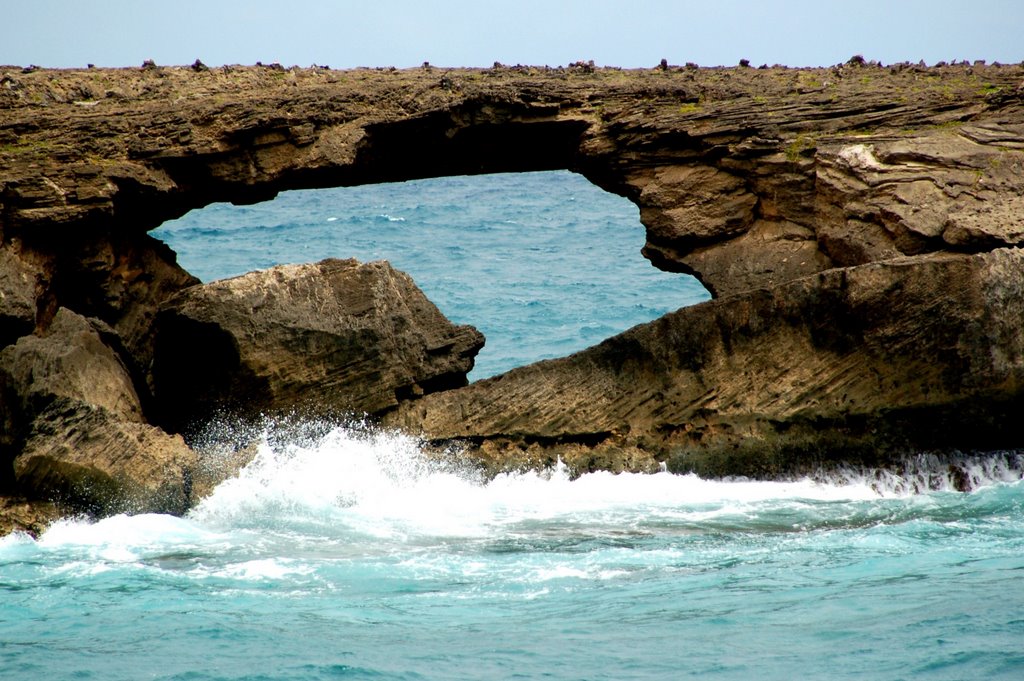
(558, 572)
(379, 483)
(386, 485)
(123, 538)
(87, 568)
(929, 472)
(265, 569)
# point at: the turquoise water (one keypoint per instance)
(346, 553)
(544, 264)
(353, 557)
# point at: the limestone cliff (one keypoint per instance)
(758, 181)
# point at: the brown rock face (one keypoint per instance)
(862, 362)
(73, 426)
(67, 361)
(952, 190)
(759, 182)
(88, 460)
(17, 296)
(332, 337)
(21, 515)
(745, 177)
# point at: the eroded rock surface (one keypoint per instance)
(66, 361)
(73, 426)
(86, 459)
(745, 177)
(869, 361)
(758, 181)
(333, 337)
(18, 514)
(18, 279)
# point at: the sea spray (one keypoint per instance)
(385, 483)
(291, 570)
(931, 472)
(350, 474)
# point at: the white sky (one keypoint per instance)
(402, 33)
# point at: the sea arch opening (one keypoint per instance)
(544, 263)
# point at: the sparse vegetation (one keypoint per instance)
(28, 147)
(800, 146)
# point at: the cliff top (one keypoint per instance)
(126, 149)
(49, 115)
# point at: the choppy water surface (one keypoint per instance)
(350, 554)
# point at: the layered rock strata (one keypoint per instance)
(745, 177)
(859, 364)
(758, 181)
(332, 338)
(73, 426)
(328, 338)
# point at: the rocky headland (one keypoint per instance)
(858, 227)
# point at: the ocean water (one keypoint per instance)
(544, 264)
(344, 552)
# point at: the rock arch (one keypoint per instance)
(534, 284)
(748, 178)
(742, 176)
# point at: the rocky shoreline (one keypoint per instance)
(858, 226)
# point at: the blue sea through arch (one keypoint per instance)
(544, 264)
(343, 552)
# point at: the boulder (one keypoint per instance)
(73, 428)
(852, 364)
(68, 360)
(331, 337)
(86, 459)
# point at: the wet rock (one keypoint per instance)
(18, 514)
(331, 337)
(86, 459)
